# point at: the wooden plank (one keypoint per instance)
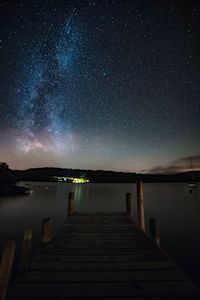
(100, 233)
(101, 237)
(101, 215)
(103, 276)
(134, 241)
(101, 227)
(93, 235)
(99, 258)
(103, 266)
(99, 218)
(95, 251)
(97, 229)
(103, 240)
(98, 247)
(99, 243)
(105, 214)
(99, 222)
(107, 289)
(181, 297)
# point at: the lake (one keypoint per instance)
(177, 211)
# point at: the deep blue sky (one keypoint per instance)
(100, 84)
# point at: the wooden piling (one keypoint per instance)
(46, 230)
(71, 204)
(140, 205)
(26, 249)
(6, 267)
(129, 204)
(154, 231)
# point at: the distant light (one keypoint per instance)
(70, 179)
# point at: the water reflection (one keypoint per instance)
(78, 193)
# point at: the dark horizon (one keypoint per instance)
(110, 171)
(176, 167)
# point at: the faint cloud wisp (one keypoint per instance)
(183, 164)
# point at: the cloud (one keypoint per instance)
(182, 164)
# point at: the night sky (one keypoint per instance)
(100, 84)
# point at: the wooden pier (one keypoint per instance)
(102, 256)
(96, 256)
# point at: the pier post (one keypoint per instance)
(129, 204)
(26, 249)
(71, 204)
(154, 231)
(140, 205)
(6, 267)
(46, 230)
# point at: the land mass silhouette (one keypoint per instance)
(101, 176)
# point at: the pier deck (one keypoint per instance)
(102, 256)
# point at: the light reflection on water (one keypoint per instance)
(175, 208)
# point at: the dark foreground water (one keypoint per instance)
(177, 211)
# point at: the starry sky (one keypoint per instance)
(108, 84)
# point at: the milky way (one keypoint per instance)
(100, 84)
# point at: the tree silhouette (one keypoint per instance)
(4, 167)
(6, 176)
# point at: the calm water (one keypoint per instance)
(177, 211)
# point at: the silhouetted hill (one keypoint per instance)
(46, 174)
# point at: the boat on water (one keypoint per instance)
(192, 185)
(13, 190)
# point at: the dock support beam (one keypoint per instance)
(46, 230)
(129, 204)
(71, 204)
(154, 231)
(140, 205)
(26, 249)
(6, 267)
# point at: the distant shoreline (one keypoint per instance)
(100, 176)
